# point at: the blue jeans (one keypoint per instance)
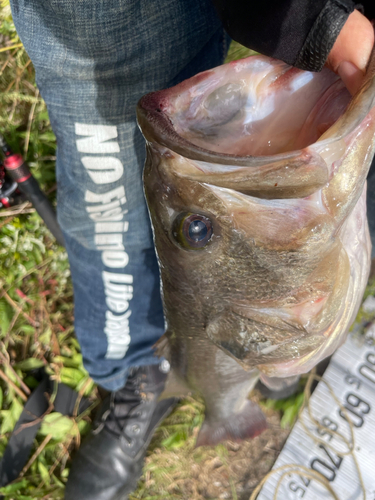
(93, 62)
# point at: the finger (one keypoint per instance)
(351, 51)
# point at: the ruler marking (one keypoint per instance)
(356, 392)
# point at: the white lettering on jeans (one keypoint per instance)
(102, 169)
(108, 212)
(97, 137)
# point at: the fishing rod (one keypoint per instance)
(22, 182)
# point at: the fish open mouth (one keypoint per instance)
(252, 107)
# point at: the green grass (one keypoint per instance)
(36, 318)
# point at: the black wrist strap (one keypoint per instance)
(21, 441)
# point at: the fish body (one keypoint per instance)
(255, 182)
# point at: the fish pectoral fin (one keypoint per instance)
(175, 387)
(162, 348)
(247, 423)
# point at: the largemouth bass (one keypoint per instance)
(255, 182)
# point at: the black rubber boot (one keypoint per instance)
(109, 463)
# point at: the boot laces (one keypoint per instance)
(122, 405)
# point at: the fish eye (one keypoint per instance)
(192, 231)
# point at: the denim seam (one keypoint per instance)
(119, 375)
(123, 374)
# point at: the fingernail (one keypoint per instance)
(348, 69)
(351, 75)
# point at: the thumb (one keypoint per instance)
(351, 52)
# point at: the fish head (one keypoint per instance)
(254, 179)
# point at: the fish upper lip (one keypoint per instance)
(157, 127)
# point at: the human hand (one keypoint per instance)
(351, 51)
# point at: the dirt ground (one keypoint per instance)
(228, 471)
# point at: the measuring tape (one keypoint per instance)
(351, 375)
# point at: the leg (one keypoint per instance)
(93, 61)
(92, 65)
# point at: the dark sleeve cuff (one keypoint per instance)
(299, 32)
(322, 35)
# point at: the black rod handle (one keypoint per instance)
(19, 171)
